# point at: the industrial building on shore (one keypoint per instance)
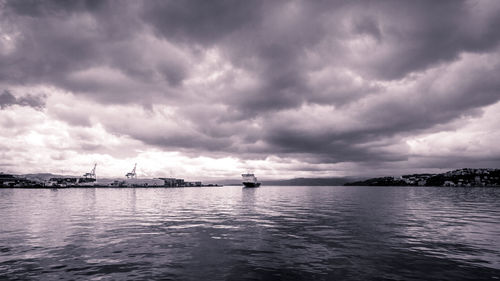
(90, 180)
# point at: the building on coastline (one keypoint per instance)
(90, 180)
(69, 181)
(173, 182)
(10, 180)
(466, 177)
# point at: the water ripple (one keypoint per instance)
(230, 233)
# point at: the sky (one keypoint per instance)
(211, 89)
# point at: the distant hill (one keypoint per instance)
(310, 181)
(290, 182)
(462, 177)
(298, 181)
(47, 176)
(42, 176)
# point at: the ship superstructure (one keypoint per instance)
(249, 180)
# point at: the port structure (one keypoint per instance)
(132, 175)
(91, 174)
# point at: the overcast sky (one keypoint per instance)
(211, 89)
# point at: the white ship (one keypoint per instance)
(249, 180)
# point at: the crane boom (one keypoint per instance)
(132, 175)
(91, 174)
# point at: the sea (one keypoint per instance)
(235, 233)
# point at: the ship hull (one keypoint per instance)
(251, 184)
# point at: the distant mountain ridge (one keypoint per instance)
(300, 181)
(47, 176)
(310, 181)
(284, 182)
(43, 176)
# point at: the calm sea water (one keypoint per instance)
(269, 233)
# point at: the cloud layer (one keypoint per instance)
(281, 87)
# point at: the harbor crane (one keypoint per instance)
(132, 175)
(91, 174)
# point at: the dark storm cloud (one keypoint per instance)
(330, 148)
(424, 33)
(8, 99)
(198, 21)
(187, 142)
(37, 8)
(63, 43)
(369, 26)
(403, 112)
(274, 37)
(382, 69)
(274, 44)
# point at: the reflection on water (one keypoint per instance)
(271, 233)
